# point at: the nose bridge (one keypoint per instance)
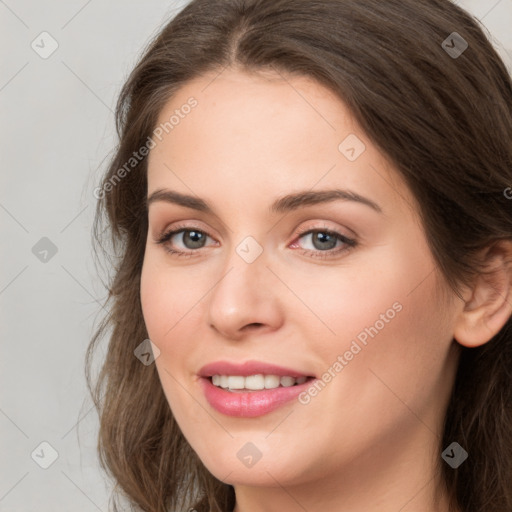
(243, 294)
(243, 270)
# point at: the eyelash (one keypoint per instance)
(350, 243)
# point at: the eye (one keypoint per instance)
(190, 238)
(324, 243)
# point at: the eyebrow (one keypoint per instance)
(283, 204)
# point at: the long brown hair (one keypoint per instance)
(443, 119)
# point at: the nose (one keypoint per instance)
(245, 299)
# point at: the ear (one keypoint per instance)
(488, 304)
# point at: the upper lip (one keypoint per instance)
(248, 368)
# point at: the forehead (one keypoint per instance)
(267, 132)
(262, 111)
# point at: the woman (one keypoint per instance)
(310, 206)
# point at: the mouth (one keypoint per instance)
(252, 388)
(257, 382)
(250, 403)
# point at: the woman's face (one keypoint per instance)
(281, 279)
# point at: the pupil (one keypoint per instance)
(324, 241)
(195, 238)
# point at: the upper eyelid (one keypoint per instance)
(301, 232)
(169, 233)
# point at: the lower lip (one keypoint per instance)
(250, 404)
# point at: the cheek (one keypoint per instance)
(384, 320)
(167, 298)
(341, 304)
(391, 348)
(169, 305)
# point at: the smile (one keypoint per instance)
(257, 382)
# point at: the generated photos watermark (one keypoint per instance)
(355, 348)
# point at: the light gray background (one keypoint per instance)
(57, 130)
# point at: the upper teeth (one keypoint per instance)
(255, 382)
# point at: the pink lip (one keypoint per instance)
(247, 368)
(252, 403)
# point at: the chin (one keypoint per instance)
(242, 463)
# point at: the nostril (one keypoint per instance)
(253, 325)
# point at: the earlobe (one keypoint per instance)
(489, 303)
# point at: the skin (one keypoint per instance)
(370, 440)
